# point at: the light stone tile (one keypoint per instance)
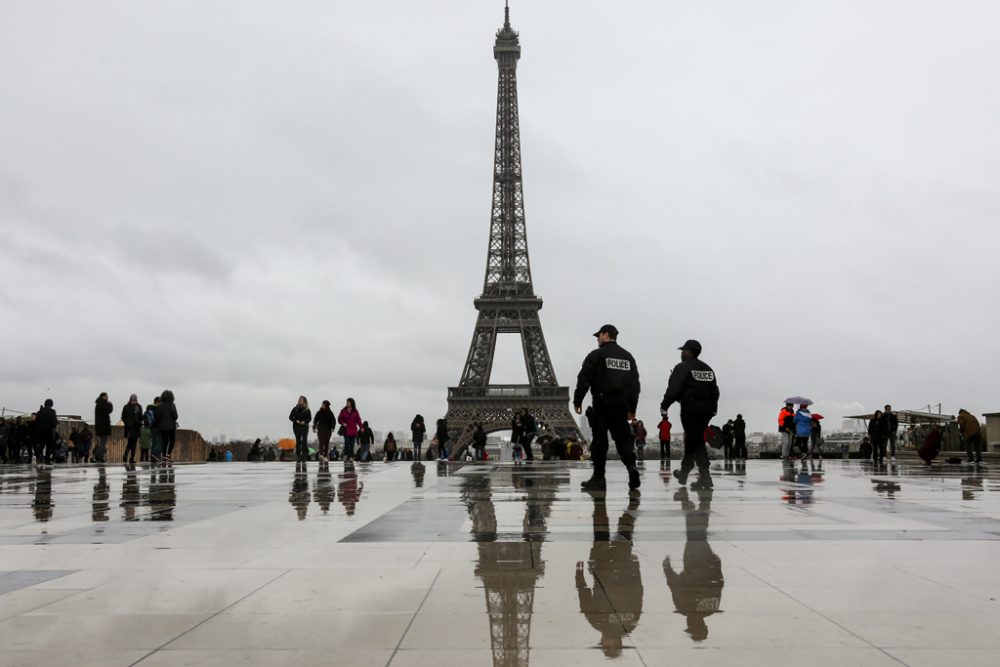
(44, 657)
(94, 633)
(269, 658)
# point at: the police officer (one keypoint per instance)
(610, 373)
(693, 385)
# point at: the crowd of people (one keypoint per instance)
(800, 430)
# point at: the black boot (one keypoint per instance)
(634, 481)
(595, 483)
(681, 478)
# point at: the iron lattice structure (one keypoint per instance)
(508, 304)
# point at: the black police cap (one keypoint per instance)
(608, 329)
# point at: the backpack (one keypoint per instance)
(149, 418)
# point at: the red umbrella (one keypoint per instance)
(818, 416)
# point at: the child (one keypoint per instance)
(517, 451)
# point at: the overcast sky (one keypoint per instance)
(246, 201)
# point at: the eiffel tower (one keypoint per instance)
(508, 304)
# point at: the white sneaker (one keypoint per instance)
(893, 459)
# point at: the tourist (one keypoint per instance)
(803, 429)
(516, 430)
(323, 424)
(816, 440)
(891, 429)
(865, 448)
(366, 439)
(102, 426)
(479, 442)
(254, 454)
(786, 419)
(389, 448)
(727, 440)
(350, 423)
(516, 451)
(145, 441)
(166, 418)
(610, 374)
(639, 433)
(529, 429)
(151, 418)
(229, 456)
(417, 431)
(971, 432)
(46, 422)
(301, 416)
(664, 426)
(132, 421)
(693, 384)
(740, 436)
(442, 437)
(83, 443)
(876, 431)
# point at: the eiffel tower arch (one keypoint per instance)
(508, 304)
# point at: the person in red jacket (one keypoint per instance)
(664, 427)
(351, 423)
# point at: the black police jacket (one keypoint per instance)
(610, 373)
(693, 385)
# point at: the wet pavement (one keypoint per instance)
(484, 564)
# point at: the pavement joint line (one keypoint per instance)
(825, 617)
(204, 621)
(413, 618)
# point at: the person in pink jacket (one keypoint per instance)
(350, 422)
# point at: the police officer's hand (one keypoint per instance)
(579, 409)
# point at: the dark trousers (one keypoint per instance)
(802, 442)
(168, 438)
(349, 441)
(727, 448)
(892, 445)
(144, 454)
(878, 450)
(976, 442)
(417, 444)
(615, 420)
(301, 442)
(694, 424)
(664, 450)
(741, 448)
(324, 441)
(130, 444)
(526, 441)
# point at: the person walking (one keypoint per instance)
(891, 429)
(639, 433)
(664, 427)
(301, 417)
(151, 418)
(816, 440)
(350, 421)
(693, 384)
(529, 429)
(145, 442)
(878, 436)
(389, 448)
(166, 418)
(611, 376)
(972, 434)
(323, 424)
(102, 426)
(366, 438)
(46, 422)
(417, 432)
(727, 440)
(479, 442)
(803, 430)
(740, 436)
(516, 431)
(132, 419)
(442, 438)
(83, 443)
(786, 419)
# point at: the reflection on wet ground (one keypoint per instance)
(497, 565)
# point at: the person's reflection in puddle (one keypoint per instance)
(130, 494)
(324, 494)
(299, 497)
(697, 591)
(41, 506)
(350, 489)
(102, 492)
(417, 470)
(162, 494)
(972, 484)
(614, 604)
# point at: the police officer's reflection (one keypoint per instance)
(697, 590)
(299, 497)
(162, 494)
(102, 492)
(41, 505)
(324, 494)
(614, 604)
